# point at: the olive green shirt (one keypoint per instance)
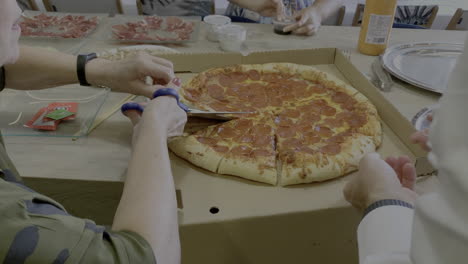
(37, 229)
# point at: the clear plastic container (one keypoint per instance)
(215, 23)
(18, 107)
(232, 37)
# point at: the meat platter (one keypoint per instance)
(154, 29)
(58, 25)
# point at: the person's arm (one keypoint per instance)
(310, 19)
(148, 205)
(39, 68)
(267, 8)
(383, 190)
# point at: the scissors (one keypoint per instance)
(190, 112)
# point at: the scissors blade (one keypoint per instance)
(215, 115)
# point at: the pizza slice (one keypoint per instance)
(253, 155)
(241, 147)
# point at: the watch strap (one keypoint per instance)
(387, 202)
(81, 62)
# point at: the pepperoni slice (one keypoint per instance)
(262, 140)
(247, 139)
(357, 120)
(311, 138)
(241, 150)
(215, 91)
(192, 95)
(349, 104)
(328, 110)
(292, 143)
(333, 122)
(207, 141)
(239, 77)
(311, 107)
(291, 113)
(340, 97)
(307, 150)
(243, 124)
(275, 101)
(323, 131)
(226, 132)
(254, 75)
(312, 118)
(261, 153)
(283, 121)
(286, 132)
(221, 149)
(225, 80)
(261, 129)
(331, 149)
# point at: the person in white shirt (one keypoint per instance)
(398, 225)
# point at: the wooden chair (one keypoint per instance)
(405, 14)
(203, 9)
(27, 5)
(337, 18)
(84, 6)
(459, 20)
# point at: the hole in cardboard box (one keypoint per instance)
(214, 210)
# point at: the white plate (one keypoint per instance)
(424, 65)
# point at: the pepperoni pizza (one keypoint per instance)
(307, 125)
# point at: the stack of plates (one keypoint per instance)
(424, 65)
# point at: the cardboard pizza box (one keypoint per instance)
(226, 219)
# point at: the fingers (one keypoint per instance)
(430, 117)
(408, 179)
(421, 138)
(161, 70)
(163, 62)
(279, 9)
(160, 74)
(301, 19)
(307, 30)
(133, 115)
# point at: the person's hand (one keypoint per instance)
(130, 75)
(267, 8)
(308, 22)
(422, 137)
(162, 111)
(377, 179)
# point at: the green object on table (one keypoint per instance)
(59, 114)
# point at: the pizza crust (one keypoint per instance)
(250, 169)
(321, 167)
(190, 149)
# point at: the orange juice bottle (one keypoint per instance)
(376, 25)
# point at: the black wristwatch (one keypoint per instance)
(2, 78)
(81, 65)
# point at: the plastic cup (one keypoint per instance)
(278, 26)
(232, 37)
(215, 22)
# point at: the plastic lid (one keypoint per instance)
(217, 20)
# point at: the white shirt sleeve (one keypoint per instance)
(384, 235)
(438, 232)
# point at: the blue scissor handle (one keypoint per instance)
(157, 93)
(132, 106)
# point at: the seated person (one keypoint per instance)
(36, 229)
(398, 225)
(309, 14)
